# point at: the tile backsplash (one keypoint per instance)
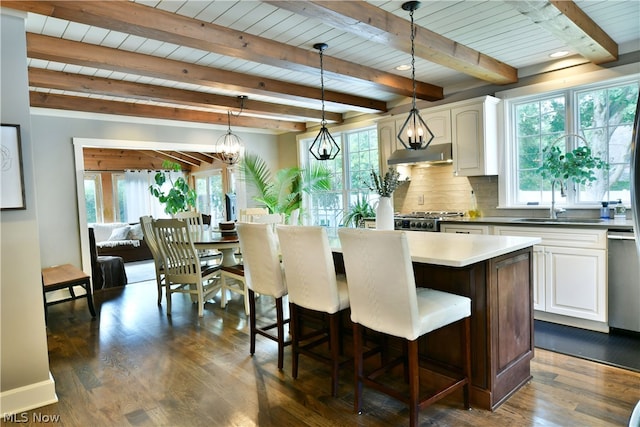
(435, 188)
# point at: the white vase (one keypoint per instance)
(384, 214)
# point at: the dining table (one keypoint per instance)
(226, 244)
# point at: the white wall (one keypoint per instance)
(53, 135)
(24, 365)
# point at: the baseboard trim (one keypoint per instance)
(572, 321)
(28, 397)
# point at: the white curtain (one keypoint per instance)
(139, 200)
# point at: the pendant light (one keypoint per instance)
(324, 147)
(229, 145)
(414, 133)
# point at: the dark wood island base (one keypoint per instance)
(502, 344)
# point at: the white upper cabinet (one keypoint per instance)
(474, 128)
(439, 122)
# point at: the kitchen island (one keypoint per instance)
(496, 273)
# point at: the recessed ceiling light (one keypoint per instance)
(403, 67)
(559, 54)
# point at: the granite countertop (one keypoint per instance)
(457, 250)
(619, 224)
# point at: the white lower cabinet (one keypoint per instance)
(570, 270)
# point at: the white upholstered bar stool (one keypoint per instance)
(314, 286)
(384, 298)
(263, 274)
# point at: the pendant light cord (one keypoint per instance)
(413, 60)
(324, 122)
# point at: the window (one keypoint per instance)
(351, 168)
(210, 191)
(93, 197)
(601, 116)
(119, 196)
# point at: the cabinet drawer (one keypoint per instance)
(464, 229)
(556, 236)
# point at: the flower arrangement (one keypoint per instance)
(384, 186)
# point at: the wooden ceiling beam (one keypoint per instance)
(118, 160)
(197, 156)
(149, 22)
(72, 52)
(95, 105)
(164, 155)
(360, 17)
(177, 156)
(48, 79)
(567, 22)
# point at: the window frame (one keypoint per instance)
(341, 135)
(508, 184)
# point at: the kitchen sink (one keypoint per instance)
(562, 220)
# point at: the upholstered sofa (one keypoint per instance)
(121, 239)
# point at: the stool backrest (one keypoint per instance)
(262, 268)
(382, 290)
(308, 266)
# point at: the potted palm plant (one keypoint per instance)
(282, 192)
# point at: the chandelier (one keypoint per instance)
(229, 145)
(414, 133)
(324, 147)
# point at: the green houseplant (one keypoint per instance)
(282, 192)
(384, 185)
(180, 196)
(358, 211)
(577, 166)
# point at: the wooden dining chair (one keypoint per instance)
(149, 236)
(197, 229)
(183, 270)
(263, 275)
(314, 288)
(387, 300)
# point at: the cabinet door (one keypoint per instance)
(539, 302)
(439, 122)
(475, 138)
(387, 142)
(576, 282)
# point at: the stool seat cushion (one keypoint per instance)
(437, 309)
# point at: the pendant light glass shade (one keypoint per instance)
(229, 145)
(414, 133)
(324, 147)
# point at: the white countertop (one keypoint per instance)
(457, 250)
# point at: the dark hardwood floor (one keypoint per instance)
(134, 365)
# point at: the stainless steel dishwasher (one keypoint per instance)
(623, 281)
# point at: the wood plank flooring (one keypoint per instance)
(134, 365)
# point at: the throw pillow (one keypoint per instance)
(120, 233)
(136, 232)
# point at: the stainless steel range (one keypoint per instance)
(422, 221)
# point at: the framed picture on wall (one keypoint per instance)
(11, 176)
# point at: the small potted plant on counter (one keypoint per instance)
(358, 211)
(384, 186)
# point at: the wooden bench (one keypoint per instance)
(66, 276)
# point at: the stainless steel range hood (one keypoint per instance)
(433, 154)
